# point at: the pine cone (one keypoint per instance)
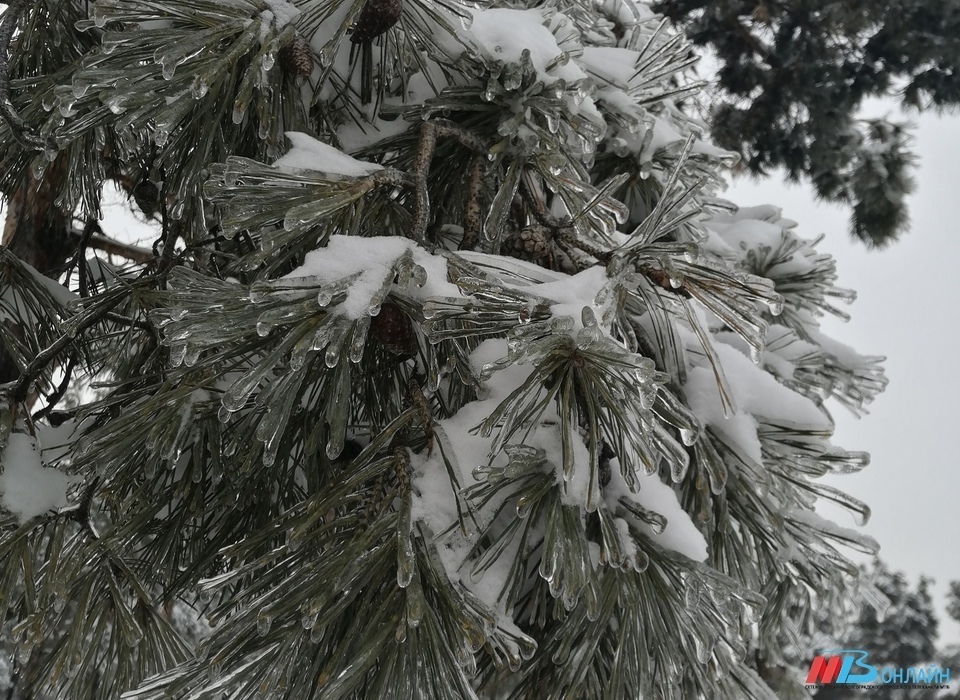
(531, 244)
(376, 17)
(296, 59)
(394, 330)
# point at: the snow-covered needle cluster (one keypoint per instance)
(475, 388)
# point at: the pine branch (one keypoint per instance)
(8, 112)
(115, 247)
(472, 207)
(419, 171)
(58, 394)
(78, 325)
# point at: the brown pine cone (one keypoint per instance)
(296, 59)
(376, 17)
(394, 330)
(531, 244)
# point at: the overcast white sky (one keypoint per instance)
(906, 310)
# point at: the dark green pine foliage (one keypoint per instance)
(474, 389)
(950, 655)
(901, 634)
(793, 75)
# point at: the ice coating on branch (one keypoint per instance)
(783, 353)
(567, 294)
(612, 64)
(680, 534)
(435, 504)
(853, 538)
(620, 80)
(371, 259)
(503, 35)
(703, 397)
(570, 295)
(843, 353)
(310, 154)
(57, 440)
(27, 488)
(756, 392)
(12, 306)
(283, 12)
(508, 36)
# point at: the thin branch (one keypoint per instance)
(420, 170)
(472, 208)
(114, 247)
(18, 127)
(81, 258)
(429, 132)
(14, 680)
(80, 255)
(54, 398)
(163, 247)
(46, 356)
(127, 321)
(466, 138)
(539, 208)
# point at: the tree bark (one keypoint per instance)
(37, 231)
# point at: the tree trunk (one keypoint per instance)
(36, 230)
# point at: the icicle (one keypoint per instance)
(703, 648)
(691, 594)
(416, 604)
(467, 661)
(199, 87)
(236, 396)
(359, 340)
(332, 356)
(406, 562)
(264, 620)
(308, 619)
(775, 304)
(192, 355)
(177, 354)
(101, 15)
(418, 274)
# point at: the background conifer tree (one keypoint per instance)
(794, 74)
(899, 633)
(448, 374)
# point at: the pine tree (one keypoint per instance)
(899, 632)
(474, 388)
(950, 655)
(794, 74)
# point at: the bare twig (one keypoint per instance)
(466, 138)
(114, 247)
(54, 398)
(420, 170)
(80, 259)
(170, 235)
(424, 414)
(80, 511)
(538, 206)
(472, 208)
(18, 127)
(46, 356)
